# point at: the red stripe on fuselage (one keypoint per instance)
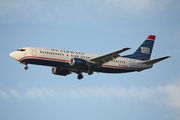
(44, 58)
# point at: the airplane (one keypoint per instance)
(65, 62)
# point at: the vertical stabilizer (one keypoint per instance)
(145, 50)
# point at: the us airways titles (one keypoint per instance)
(66, 51)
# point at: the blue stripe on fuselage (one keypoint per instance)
(67, 65)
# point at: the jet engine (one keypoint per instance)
(79, 63)
(60, 71)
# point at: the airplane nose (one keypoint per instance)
(13, 55)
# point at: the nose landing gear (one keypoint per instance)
(26, 67)
(25, 63)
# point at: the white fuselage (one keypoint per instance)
(51, 57)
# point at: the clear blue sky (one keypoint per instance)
(93, 26)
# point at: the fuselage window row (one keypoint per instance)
(118, 61)
(51, 53)
(76, 56)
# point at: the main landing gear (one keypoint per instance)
(80, 76)
(90, 72)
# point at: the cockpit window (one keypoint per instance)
(21, 49)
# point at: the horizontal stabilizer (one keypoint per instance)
(153, 61)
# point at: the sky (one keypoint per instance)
(92, 26)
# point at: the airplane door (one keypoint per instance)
(33, 51)
(132, 63)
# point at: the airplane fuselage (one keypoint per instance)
(61, 58)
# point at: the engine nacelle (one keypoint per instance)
(60, 71)
(78, 62)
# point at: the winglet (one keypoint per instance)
(151, 37)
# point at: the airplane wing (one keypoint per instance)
(153, 61)
(107, 57)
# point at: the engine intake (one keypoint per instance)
(79, 63)
(60, 71)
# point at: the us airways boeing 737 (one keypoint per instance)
(65, 62)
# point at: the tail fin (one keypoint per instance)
(145, 50)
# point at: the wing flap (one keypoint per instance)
(153, 61)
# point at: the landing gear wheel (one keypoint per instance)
(90, 72)
(80, 76)
(26, 67)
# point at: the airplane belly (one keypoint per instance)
(114, 70)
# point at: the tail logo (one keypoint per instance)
(145, 50)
